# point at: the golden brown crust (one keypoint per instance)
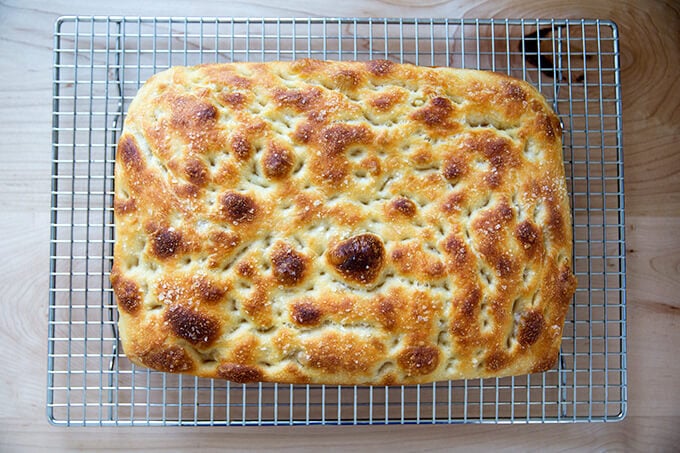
(341, 223)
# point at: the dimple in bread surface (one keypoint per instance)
(341, 223)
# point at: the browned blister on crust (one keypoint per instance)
(341, 223)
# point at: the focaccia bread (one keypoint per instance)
(341, 223)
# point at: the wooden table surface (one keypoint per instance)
(650, 59)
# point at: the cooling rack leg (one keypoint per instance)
(557, 79)
(116, 123)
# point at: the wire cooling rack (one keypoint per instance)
(100, 62)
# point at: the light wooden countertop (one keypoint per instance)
(650, 56)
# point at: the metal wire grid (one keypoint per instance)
(100, 62)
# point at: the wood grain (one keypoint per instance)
(650, 51)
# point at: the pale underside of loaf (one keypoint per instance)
(341, 223)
